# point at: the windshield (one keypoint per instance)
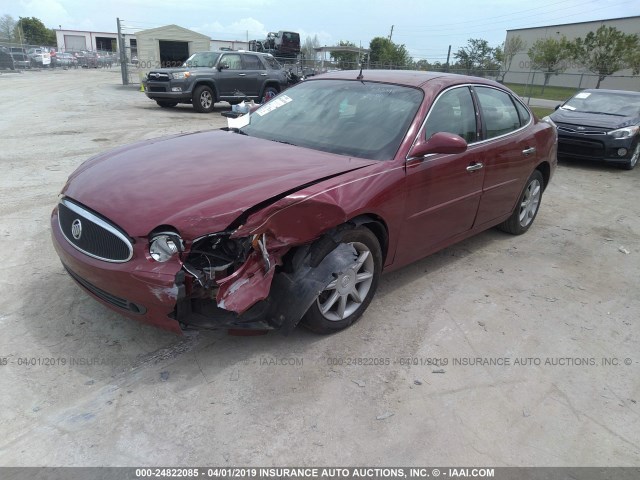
(202, 59)
(360, 119)
(608, 103)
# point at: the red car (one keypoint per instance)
(293, 217)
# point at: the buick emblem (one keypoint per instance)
(76, 229)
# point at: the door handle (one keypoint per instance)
(242, 74)
(529, 151)
(263, 74)
(474, 167)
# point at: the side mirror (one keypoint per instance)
(557, 107)
(440, 142)
(223, 66)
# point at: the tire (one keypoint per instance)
(203, 99)
(165, 104)
(268, 94)
(527, 207)
(633, 161)
(334, 311)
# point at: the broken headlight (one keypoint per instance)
(217, 252)
(165, 245)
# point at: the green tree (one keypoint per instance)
(34, 32)
(632, 59)
(477, 55)
(510, 49)
(604, 52)
(384, 53)
(7, 27)
(550, 55)
(422, 64)
(345, 60)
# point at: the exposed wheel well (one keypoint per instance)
(545, 170)
(377, 227)
(211, 85)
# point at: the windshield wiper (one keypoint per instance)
(237, 130)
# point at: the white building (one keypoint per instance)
(77, 40)
(575, 75)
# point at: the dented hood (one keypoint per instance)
(198, 183)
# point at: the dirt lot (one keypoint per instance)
(80, 385)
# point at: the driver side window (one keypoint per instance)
(233, 60)
(453, 112)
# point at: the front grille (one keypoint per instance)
(158, 77)
(571, 146)
(93, 235)
(107, 297)
(157, 89)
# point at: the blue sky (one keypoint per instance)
(425, 27)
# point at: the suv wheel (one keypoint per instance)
(203, 99)
(268, 94)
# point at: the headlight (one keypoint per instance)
(180, 75)
(624, 132)
(165, 245)
(548, 120)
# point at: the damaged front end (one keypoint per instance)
(253, 282)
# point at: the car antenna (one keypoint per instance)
(360, 76)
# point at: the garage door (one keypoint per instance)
(172, 54)
(75, 43)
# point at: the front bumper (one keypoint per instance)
(140, 289)
(165, 90)
(594, 147)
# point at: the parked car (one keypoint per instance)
(601, 125)
(88, 60)
(66, 60)
(6, 60)
(293, 217)
(21, 60)
(39, 57)
(209, 77)
(105, 60)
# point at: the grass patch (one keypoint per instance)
(535, 91)
(541, 111)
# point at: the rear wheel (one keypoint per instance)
(268, 94)
(346, 298)
(527, 208)
(164, 104)
(203, 99)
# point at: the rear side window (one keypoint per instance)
(273, 63)
(252, 62)
(525, 116)
(499, 114)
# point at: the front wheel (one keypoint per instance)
(633, 161)
(345, 299)
(203, 99)
(527, 208)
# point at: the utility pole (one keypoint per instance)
(123, 56)
(391, 34)
(448, 56)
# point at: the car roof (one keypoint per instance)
(410, 78)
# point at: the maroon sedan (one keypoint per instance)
(293, 217)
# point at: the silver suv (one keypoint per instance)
(209, 77)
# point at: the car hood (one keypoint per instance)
(593, 119)
(198, 183)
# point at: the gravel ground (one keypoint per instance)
(81, 385)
